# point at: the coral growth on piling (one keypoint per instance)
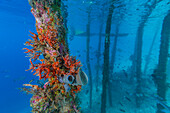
(51, 62)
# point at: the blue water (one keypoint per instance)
(16, 21)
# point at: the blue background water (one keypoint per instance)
(16, 21)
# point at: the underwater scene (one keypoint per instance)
(85, 56)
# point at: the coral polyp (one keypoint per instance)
(51, 62)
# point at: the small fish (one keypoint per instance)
(78, 51)
(31, 81)
(22, 78)
(127, 93)
(122, 110)
(162, 103)
(91, 47)
(4, 71)
(120, 103)
(125, 73)
(128, 99)
(7, 76)
(98, 102)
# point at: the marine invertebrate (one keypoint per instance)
(51, 62)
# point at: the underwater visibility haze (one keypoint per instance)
(85, 56)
